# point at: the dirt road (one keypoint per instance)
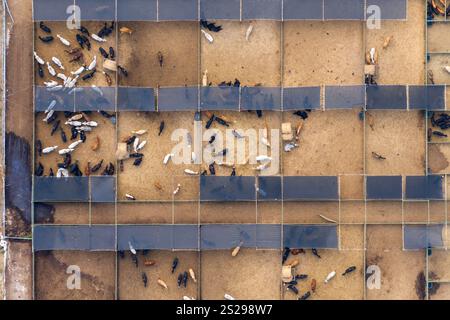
(19, 119)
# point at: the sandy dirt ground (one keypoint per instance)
(401, 62)
(331, 143)
(437, 212)
(346, 287)
(385, 212)
(131, 286)
(162, 179)
(442, 293)
(250, 275)
(438, 265)
(424, 212)
(103, 213)
(75, 213)
(308, 212)
(178, 42)
(19, 79)
(18, 94)
(230, 56)
(57, 49)
(18, 275)
(351, 237)
(351, 187)
(105, 131)
(269, 212)
(165, 178)
(237, 212)
(53, 271)
(142, 213)
(415, 212)
(353, 212)
(352, 205)
(246, 123)
(399, 269)
(399, 136)
(317, 53)
(186, 212)
(436, 65)
(434, 35)
(351, 253)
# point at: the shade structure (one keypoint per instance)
(310, 188)
(261, 9)
(301, 98)
(223, 188)
(416, 237)
(81, 237)
(310, 236)
(424, 187)
(345, 97)
(136, 99)
(218, 9)
(386, 97)
(384, 187)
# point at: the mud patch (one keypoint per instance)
(96, 271)
(421, 282)
(437, 161)
(433, 286)
(18, 186)
(44, 213)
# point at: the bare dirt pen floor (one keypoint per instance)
(332, 142)
(153, 180)
(245, 123)
(399, 268)
(442, 292)
(250, 275)
(18, 89)
(131, 286)
(84, 153)
(178, 42)
(399, 136)
(230, 56)
(317, 53)
(401, 62)
(97, 271)
(57, 49)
